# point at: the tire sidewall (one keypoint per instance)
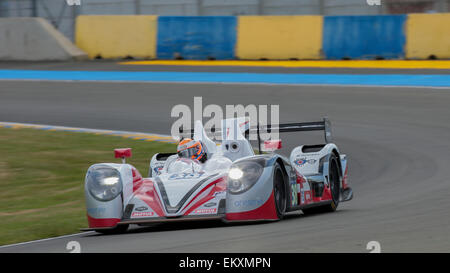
(336, 181)
(280, 211)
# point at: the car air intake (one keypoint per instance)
(128, 209)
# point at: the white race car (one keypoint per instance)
(234, 184)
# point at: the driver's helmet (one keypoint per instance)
(188, 148)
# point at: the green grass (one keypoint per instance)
(42, 178)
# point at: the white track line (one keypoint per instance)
(76, 129)
(125, 134)
(47, 239)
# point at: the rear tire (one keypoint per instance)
(335, 185)
(116, 230)
(279, 191)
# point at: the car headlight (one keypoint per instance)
(104, 183)
(243, 175)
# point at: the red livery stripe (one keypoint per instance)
(137, 179)
(219, 185)
(103, 222)
(147, 193)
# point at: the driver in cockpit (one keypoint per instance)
(194, 149)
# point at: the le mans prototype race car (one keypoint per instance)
(234, 184)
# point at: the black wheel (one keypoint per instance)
(279, 191)
(117, 230)
(335, 185)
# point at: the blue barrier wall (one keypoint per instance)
(364, 37)
(196, 37)
(274, 37)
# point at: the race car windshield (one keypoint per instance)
(184, 165)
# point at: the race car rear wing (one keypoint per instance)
(324, 125)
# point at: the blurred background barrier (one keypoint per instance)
(218, 29)
(62, 16)
(428, 36)
(34, 39)
(414, 36)
(117, 36)
(279, 37)
(364, 37)
(196, 37)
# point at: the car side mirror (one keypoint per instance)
(122, 153)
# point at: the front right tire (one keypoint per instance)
(335, 184)
(279, 191)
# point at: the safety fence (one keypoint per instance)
(412, 36)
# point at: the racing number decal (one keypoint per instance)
(303, 190)
(294, 195)
(177, 176)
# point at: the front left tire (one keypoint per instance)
(335, 184)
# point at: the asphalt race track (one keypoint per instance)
(397, 141)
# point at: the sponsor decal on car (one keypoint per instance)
(141, 208)
(177, 176)
(308, 196)
(211, 204)
(248, 203)
(142, 214)
(205, 211)
(303, 161)
(219, 193)
(157, 170)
